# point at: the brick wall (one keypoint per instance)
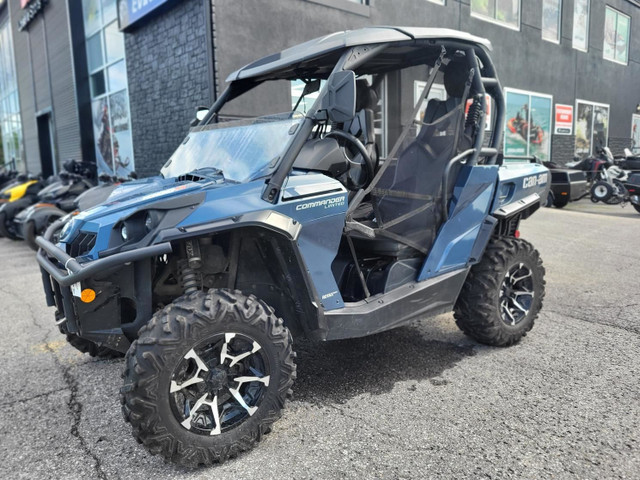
(168, 77)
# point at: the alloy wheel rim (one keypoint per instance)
(219, 384)
(516, 294)
(600, 191)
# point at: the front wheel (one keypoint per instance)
(637, 207)
(503, 294)
(550, 199)
(6, 229)
(207, 377)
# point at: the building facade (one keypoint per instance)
(117, 82)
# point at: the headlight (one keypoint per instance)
(148, 222)
(123, 233)
(66, 229)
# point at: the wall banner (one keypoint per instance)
(130, 11)
(564, 119)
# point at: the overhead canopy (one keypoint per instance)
(331, 47)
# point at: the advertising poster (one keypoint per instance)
(102, 136)
(517, 132)
(592, 127)
(635, 133)
(540, 127)
(564, 119)
(528, 125)
(121, 139)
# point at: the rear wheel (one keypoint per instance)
(601, 191)
(503, 294)
(637, 207)
(207, 377)
(560, 202)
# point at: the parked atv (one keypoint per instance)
(290, 225)
(54, 201)
(15, 198)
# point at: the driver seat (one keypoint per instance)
(362, 125)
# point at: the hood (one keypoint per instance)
(143, 193)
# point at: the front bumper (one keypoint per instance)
(100, 320)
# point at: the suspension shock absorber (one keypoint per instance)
(474, 115)
(189, 278)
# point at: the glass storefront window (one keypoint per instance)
(109, 88)
(504, 12)
(10, 123)
(92, 18)
(114, 43)
(551, 20)
(616, 36)
(581, 24)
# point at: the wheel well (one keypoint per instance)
(253, 260)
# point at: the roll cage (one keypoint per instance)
(376, 59)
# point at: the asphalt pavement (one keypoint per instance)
(422, 401)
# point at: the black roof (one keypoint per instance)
(335, 43)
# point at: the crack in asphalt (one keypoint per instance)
(594, 322)
(33, 397)
(74, 405)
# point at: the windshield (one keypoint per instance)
(242, 150)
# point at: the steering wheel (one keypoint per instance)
(367, 162)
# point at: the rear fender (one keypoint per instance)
(42, 216)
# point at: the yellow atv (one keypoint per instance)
(14, 198)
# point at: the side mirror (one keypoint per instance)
(201, 112)
(340, 100)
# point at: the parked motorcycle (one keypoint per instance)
(595, 166)
(619, 188)
(55, 201)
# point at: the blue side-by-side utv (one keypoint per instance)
(369, 203)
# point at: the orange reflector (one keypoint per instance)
(44, 205)
(88, 295)
(517, 234)
(564, 193)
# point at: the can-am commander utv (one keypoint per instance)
(346, 216)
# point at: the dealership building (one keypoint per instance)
(116, 82)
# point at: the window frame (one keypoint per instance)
(559, 37)
(588, 31)
(104, 67)
(604, 41)
(495, 21)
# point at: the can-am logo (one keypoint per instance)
(326, 203)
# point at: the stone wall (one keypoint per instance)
(167, 69)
